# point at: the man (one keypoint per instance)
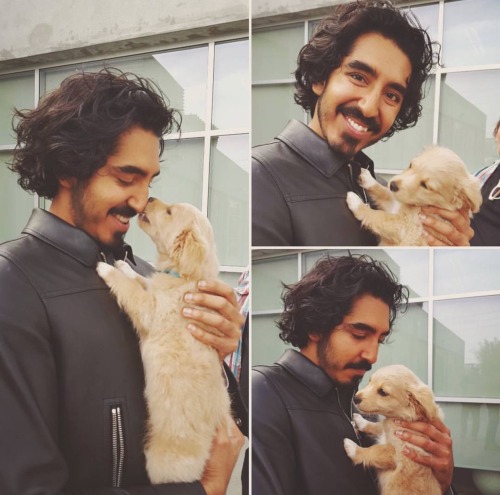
(337, 315)
(361, 77)
(486, 223)
(71, 382)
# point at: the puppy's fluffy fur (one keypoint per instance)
(185, 390)
(394, 392)
(437, 177)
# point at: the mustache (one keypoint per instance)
(360, 365)
(124, 210)
(370, 122)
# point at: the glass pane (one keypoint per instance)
(228, 198)
(181, 74)
(15, 204)
(274, 52)
(180, 181)
(272, 107)
(467, 116)
(427, 15)
(467, 347)
(471, 35)
(457, 271)
(409, 265)
(17, 91)
(397, 152)
(408, 343)
(476, 442)
(267, 347)
(231, 86)
(267, 276)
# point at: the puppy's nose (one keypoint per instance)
(356, 399)
(393, 187)
(151, 199)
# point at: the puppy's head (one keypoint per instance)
(437, 177)
(396, 392)
(183, 237)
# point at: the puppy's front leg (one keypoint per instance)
(369, 427)
(377, 456)
(378, 193)
(129, 292)
(125, 268)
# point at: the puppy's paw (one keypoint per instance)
(124, 267)
(350, 448)
(104, 270)
(366, 179)
(360, 422)
(353, 201)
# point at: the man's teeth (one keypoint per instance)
(123, 219)
(356, 126)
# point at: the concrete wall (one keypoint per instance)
(50, 30)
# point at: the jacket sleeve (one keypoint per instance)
(273, 457)
(31, 460)
(271, 221)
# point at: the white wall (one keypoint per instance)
(51, 30)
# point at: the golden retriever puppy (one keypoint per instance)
(437, 177)
(185, 384)
(394, 392)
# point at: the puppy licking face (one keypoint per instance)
(396, 392)
(437, 177)
(183, 237)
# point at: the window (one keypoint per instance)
(206, 165)
(449, 337)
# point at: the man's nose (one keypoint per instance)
(370, 352)
(139, 199)
(369, 104)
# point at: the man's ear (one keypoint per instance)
(67, 182)
(314, 337)
(318, 88)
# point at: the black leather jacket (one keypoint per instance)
(299, 190)
(72, 414)
(299, 422)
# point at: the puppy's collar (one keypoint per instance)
(172, 272)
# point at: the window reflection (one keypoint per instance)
(231, 86)
(228, 197)
(471, 35)
(467, 347)
(467, 116)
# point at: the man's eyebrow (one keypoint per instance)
(362, 66)
(133, 170)
(367, 328)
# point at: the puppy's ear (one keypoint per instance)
(469, 193)
(421, 399)
(189, 252)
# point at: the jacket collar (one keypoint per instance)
(312, 376)
(314, 149)
(72, 241)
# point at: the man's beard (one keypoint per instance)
(323, 352)
(82, 217)
(347, 145)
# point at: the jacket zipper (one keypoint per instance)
(118, 445)
(351, 421)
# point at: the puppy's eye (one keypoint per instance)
(169, 211)
(382, 392)
(423, 184)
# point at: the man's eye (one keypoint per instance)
(395, 98)
(359, 336)
(124, 182)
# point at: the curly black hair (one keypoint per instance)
(75, 128)
(333, 40)
(326, 294)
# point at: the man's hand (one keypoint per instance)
(226, 447)
(219, 323)
(458, 231)
(433, 437)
